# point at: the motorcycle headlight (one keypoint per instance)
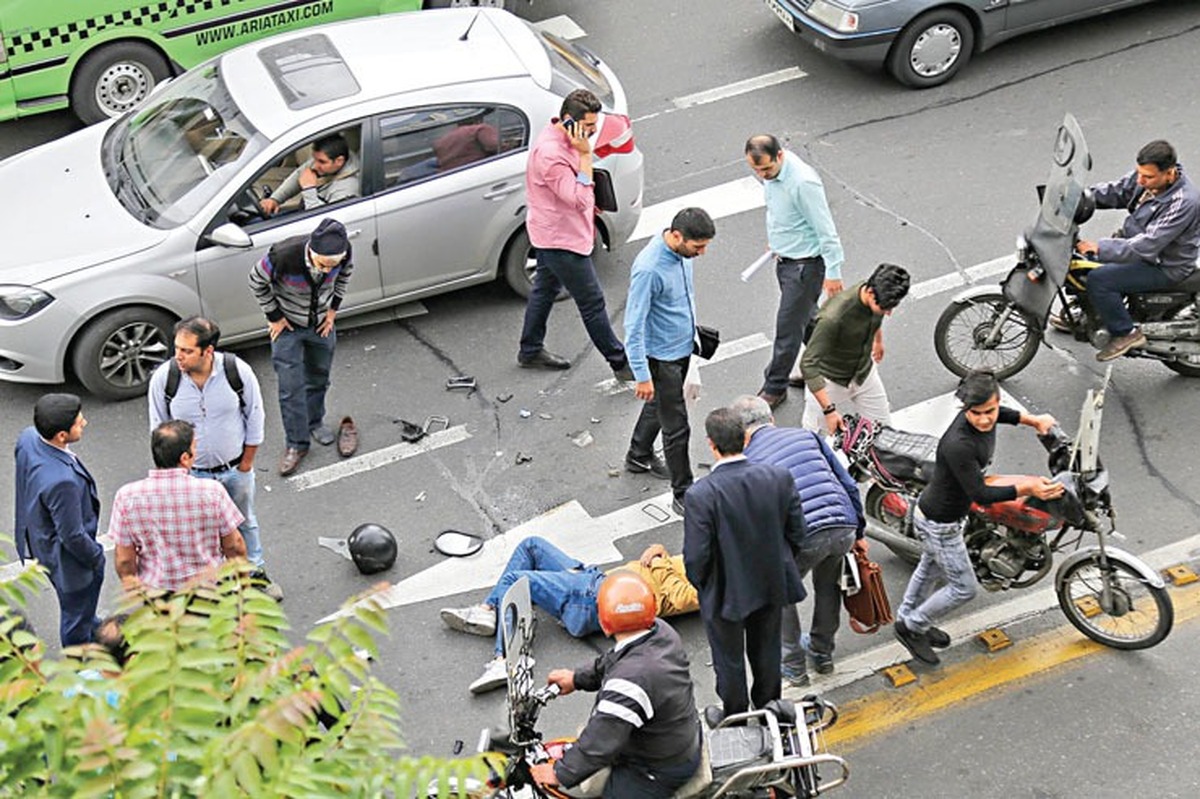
(20, 302)
(839, 19)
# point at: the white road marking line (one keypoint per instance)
(726, 199)
(380, 457)
(954, 280)
(1030, 603)
(739, 87)
(561, 26)
(934, 415)
(569, 526)
(727, 350)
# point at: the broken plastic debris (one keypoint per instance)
(368, 348)
(546, 416)
(505, 397)
(337, 545)
(523, 458)
(421, 497)
(524, 414)
(581, 438)
(614, 472)
(595, 420)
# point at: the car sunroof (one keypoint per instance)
(308, 71)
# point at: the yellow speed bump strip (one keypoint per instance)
(972, 680)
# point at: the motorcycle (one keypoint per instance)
(1108, 594)
(776, 751)
(1001, 329)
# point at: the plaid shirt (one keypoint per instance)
(175, 522)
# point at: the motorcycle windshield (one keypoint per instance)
(1052, 237)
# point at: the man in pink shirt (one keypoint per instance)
(171, 527)
(561, 221)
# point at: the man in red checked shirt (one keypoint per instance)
(172, 527)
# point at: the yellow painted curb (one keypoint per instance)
(971, 681)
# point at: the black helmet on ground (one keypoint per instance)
(372, 548)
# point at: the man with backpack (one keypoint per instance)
(218, 394)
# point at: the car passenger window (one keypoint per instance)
(427, 142)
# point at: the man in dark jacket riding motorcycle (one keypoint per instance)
(1155, 248)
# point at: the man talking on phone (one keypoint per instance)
(561, 222)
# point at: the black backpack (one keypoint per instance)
(231, 374)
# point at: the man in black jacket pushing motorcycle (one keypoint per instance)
(1155, 248)
(644, 725)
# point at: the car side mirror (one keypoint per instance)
(230, 235)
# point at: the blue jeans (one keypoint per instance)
(944, 558)
(821, 553)
(666, 413)
(239, 486)
(302, 359)
(1107, 284)
(565, 269)
(799, 290)
(558, 584)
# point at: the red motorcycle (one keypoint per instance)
(1110, 595)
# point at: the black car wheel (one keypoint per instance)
(931, 49)
(117, 352)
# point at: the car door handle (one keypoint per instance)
(351, 234)
(501, 190)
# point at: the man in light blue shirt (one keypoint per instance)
(808, 252)
(228, 419)
(660, 330)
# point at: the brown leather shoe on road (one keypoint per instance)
(347, 438)
(1121, 345)
(774, 400)
(290, 460)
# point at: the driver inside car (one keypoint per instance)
(643, 725)
(1155, 248)
(329, 176)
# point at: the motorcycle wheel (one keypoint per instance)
(961, 331)
(873, 506)
(1137, 616)
(1191, 366)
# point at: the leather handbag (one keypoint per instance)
(707, 341)
(869, 608)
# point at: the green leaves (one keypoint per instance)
(212, 701)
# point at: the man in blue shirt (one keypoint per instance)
(808, 252)
(228, 420)
(660, 330)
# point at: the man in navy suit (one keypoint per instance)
(58, 511)
(740, 527)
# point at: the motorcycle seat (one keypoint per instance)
(1190, 284)
(732, 748)
(904, 455)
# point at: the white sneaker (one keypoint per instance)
(494, 676)
(476, 620)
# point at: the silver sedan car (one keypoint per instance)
(923, 43)
(124, 227)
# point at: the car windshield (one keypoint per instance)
(167, 159)
(574, 68)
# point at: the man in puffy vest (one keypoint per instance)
(833, 521)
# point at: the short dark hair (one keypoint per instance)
(169, 441)
(726, 431)
(977, 388)
(579, 104)
(1159, 153)
(694, 224)
(763, 145)
(205, 330)
(110, 635)
(56, 413)
(334, 145)
(889, 283)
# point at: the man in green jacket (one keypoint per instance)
(839, 360)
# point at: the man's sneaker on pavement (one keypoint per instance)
(822, 662)
(654, 464)
(796, 679)
(494, 676)
(263, 583)
(476, 619)
(937, 638)
(916, 643)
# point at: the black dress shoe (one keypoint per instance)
(544, 360)
(916, 643)
(774, 400)
(938, 638)
(713, 715)
(677, 506)
(624, 374)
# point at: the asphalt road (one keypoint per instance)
(937, 181)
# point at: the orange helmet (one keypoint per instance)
(625, 603)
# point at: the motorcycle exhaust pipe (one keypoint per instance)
(892, 540)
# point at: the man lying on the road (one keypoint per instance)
(566, 589)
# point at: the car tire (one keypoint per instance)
(117, 352)
(115, 78)
(932, 49)
(519, 265)
(505, 4)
